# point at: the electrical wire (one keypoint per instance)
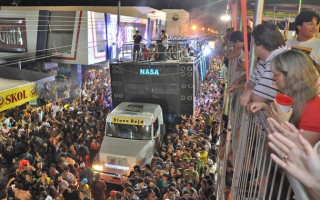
(50, 55)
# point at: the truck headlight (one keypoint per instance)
(97, 167)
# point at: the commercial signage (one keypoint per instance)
(13, 36)
(127, 120)
(17, 96)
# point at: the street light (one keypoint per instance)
(225, 18)
(194, 27)
(203, 28)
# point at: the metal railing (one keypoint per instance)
(255, 175)
(127, 50)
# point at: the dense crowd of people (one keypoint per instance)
(47, 151)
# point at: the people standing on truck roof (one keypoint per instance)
(164, 38)
(137, 38)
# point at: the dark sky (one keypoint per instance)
(202, 12)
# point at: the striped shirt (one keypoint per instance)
(262, 77)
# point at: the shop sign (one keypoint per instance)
(13, 36)
(17, 96)
(127, 120)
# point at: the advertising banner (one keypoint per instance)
(17, 96)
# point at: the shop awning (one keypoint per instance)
(16, 92)
(26, 75)
(18, 86)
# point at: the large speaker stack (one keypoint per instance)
(169, 84)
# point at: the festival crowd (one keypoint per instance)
(47, 151)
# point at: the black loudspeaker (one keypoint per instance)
(186, 88)
(117, 84)
(168, 84)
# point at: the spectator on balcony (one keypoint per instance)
(268, 43)
(236, 41)
(306, 26)
(296, 76)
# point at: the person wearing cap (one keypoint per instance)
(112, 195)
(85, 186)
(86, 172)
(98, 188)
(210, 168)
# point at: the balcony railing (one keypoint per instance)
(255, 175)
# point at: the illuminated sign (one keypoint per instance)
(13, 36)
(127, 120)
(17, 96)
(152, 72)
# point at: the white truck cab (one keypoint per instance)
(134, 131)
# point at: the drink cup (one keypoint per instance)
(285, 102)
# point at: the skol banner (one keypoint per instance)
(17, 96)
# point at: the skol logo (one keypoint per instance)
(17, 96)
(33, 91)
(1, 102)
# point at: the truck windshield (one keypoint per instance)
(126, 131)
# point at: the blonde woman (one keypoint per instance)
(296, 76)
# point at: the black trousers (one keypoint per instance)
(136, 51)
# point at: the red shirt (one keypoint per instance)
(310, 117)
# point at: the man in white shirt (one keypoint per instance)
(55, 109)
(164, 38)
(268, 43)
(306, 26)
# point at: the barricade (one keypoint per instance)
(255, 175)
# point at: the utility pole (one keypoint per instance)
(118, 31)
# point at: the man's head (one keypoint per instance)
(82, 194)
(267, 36)
(236, 38)
(137, 32)
(163, 31)
(306, 23)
